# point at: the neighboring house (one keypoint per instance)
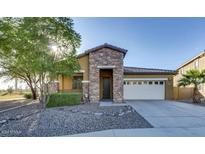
(103, 76)
(183, 93)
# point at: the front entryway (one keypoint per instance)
(106, 88)
(106, 84)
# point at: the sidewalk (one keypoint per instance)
(14, 104)
(147, 132)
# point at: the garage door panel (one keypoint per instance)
(144, 91)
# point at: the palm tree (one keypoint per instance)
(193, 77)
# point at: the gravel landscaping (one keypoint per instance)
(30, 121)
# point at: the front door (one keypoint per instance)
(106, 88)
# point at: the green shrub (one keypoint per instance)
(4, 93)
(28, 95)
(64, 99)
(10, 90)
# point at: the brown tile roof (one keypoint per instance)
(139, 70)
(105, 45)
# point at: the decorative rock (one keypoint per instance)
(55, 122)
(121, 110)
(61, 109)
(85, 112)
(74, 111)
(129, 107)
(19, 117)
(121, 114)
(3, 121)
(98, 113)
(128, 111)
(7, 118)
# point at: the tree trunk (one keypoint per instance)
(44, 98)
(196, 96)
(34, 95)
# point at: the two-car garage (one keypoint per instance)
(148, 84)
(144, 88)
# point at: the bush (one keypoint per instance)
(64, 99)
(10, 90)
(4, 93)
(28, 95)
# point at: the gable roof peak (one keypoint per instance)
(105, 45)
(202, 53)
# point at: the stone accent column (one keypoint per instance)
(85, 92)
(106, 57)
(118, 75)
(94, 86)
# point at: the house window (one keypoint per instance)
(161, 82)
(196, 64)
(156, 82)
(139, 82)
(134, 82)
(150, 82)
(77, 82)
(145, 82)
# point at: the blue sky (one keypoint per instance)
(151, 42)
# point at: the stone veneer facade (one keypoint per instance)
(106, 57)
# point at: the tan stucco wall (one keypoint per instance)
(84, 64)
(65, 82)
(186, 92)
(168, 83)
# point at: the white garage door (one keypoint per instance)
(144, 89)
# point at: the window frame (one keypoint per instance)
(78, 82)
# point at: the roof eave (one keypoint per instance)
(150, 73)
(106, 45)
(191, 60)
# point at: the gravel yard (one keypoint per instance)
(30, 121)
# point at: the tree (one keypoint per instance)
(193, 77)
(10, 90)
(26, 50)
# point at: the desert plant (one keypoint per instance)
(193, 77)
(28, 95)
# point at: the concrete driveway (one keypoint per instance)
(176, 118)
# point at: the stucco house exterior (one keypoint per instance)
(185, 93)
(103, 76)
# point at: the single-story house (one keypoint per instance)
(185, 93)
(103, 76)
